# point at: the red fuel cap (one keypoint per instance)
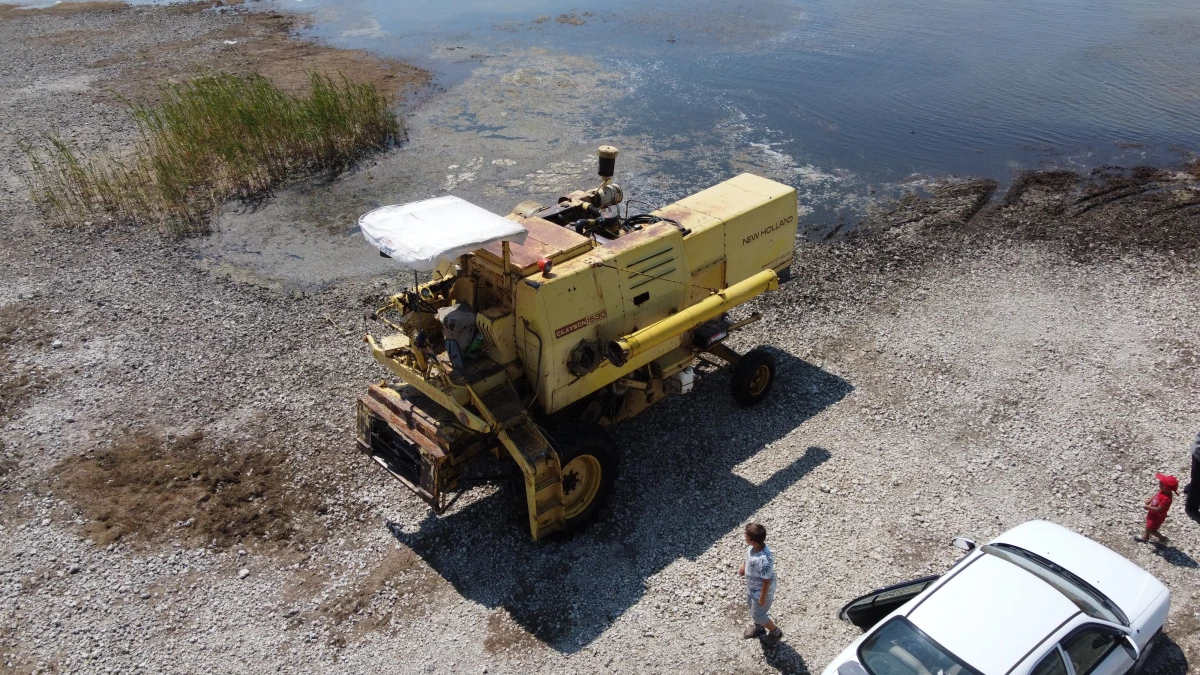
(544, 264)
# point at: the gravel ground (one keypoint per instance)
(959, 365)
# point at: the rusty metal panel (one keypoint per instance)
(427, 445)
(545, 240)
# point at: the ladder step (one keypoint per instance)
(548, 504)
(503, 403)
(546, 483)
(529, 441)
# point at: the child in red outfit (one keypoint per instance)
(1158, 505)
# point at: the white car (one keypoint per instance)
(1039, 599)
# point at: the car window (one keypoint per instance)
(1089, 648)
(900, 648)
(871, 608)
(1051, 665)
(1089, 600)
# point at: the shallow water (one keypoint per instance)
(851, 102)
(854, 88)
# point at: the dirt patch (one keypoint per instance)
(257, 42)
(504, 634)
(17, 387)
(8, 12)
(263, 43)
(148, 490)
(397, 588)
(20, 324)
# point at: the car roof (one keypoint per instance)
(991, 613)
(1111, 573)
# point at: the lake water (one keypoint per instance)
(871, 91)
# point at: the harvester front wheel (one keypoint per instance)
(753, 376)
(589, 462)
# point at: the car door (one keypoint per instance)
(1054, 663)
(868, 610)
(1094, 649)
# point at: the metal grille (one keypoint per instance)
(529, 441)
(502, 402)
(396, 453)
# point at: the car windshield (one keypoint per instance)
(1089, 600)
(900, 648)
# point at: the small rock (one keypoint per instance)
(45, 521)
(57, 344)
(73, 569)
(243, 573)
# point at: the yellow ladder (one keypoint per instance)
(501, 407)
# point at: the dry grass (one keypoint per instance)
(145, 490)
(210, 140)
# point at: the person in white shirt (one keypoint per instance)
(759, 570)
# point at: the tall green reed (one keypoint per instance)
(210, 140)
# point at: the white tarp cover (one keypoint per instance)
(421, 235)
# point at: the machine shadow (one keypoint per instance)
(677, 496)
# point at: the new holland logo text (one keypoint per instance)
(585, 321)
(767, 230)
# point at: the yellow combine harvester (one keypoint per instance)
(540, 328)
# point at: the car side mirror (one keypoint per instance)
(963, 543)
(1128, 642)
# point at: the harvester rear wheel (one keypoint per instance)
(753, 376)
(589, 461)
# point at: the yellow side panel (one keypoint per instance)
(613, 290)
(653, 274)
(608, 287)
(705, 244)
(573, 310)
(763, 187)
(761, 238)
(499, 327)
(706, 281)
(531, 312)
(756, 218)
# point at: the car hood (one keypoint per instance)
(1132, 588)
